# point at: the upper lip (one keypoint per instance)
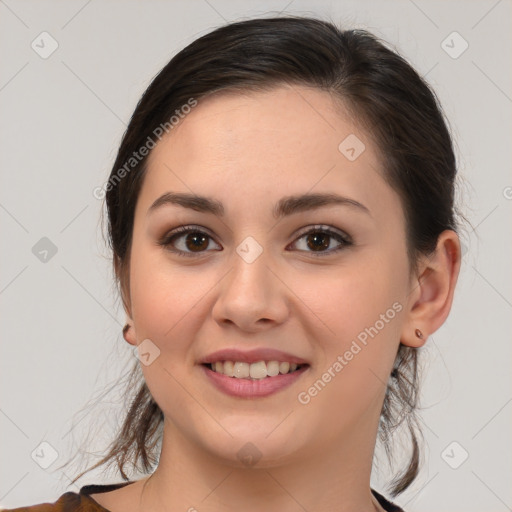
(251, 356)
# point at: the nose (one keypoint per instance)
(252, 296)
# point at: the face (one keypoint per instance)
(324, 283)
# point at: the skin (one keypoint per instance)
(318, 456)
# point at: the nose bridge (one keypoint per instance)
(250, 268)
(251, 292)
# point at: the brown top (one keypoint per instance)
(82, 502)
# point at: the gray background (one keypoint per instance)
(62, 119)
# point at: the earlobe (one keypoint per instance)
(129, 335)
(432, 297)
(414, 338)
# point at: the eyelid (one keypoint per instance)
(324, 228)
(165, 241)
(346, 239)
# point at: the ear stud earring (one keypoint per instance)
(419, 335)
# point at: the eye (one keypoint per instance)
(320, 238)
(190, 239)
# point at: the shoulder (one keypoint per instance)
(387, 505)
(67, 502)
(82, 501)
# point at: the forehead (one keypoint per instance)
(251, 149)
(277, 126)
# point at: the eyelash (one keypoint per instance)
(168, 239)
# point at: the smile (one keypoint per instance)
(258, 370)
(253, 380)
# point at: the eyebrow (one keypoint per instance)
(286, 206)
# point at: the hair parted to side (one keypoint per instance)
(399, 112)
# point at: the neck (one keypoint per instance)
(332, 478)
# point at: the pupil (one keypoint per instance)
(315, 237)
(196, 237)
(319, 241)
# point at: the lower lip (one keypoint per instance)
(247, 388)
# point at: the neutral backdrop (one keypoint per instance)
(63, 115)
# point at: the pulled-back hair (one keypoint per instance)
(377, 86)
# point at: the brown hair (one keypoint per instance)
(401, 114)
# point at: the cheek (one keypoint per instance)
(359, 309)
(349, 298)
(166, 310)
(355, 353)
(164, 299)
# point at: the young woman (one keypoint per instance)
(281, 213)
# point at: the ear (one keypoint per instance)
(129, 332)
(122, 275)
(431, 294)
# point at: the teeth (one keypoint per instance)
(259, 370)
(241, 370)
(229, 369)
(272, 368)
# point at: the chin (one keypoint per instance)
(263, 448)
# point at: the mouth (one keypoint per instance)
(252, 380)
(254, 371)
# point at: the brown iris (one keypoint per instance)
(320, 240)
(200, 241)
